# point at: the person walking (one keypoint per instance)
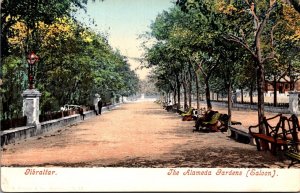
(81, 112)
(100, 106)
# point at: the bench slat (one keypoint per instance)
(269, 138)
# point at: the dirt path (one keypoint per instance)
(139, 134)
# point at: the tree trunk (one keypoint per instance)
(178, 92)
(207, 93)
(184, 94)
(275, 91)
(197, 92)
(190, 94)
(251, 94)
(242, 96)
(185, 91)
(174, 96)
(166, 97)
(229, 101)
(260, 96)
(260, 70)
(190, 87)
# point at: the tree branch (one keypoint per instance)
(271, 56)
(252, 10)
(263, 23)
(214, 66)
(201, 69)
(282, 75)
(238, 40)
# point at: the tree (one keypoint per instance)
(260, 22)
(191, 39)
(13, 84)
(165, 52)
(88, 64)
(31, 12)
(249, 25)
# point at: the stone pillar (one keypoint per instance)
(95, 102)
(31, 103)
(294, 102)
(113, 100)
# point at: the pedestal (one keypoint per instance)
(95, 102)
(113, 101)
(31, 102)
(294, 102)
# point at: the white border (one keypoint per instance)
(148, 179)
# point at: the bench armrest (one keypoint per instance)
(254, 126)
(280, 114)
(265, 121)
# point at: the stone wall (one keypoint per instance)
(21, 133)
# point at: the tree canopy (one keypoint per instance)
(75, 61)
(226, 44)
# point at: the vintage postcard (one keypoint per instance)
(150, 95)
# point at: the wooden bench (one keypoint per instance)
(168, 107)
(224, 120)
(240, 133)
(271, 136)
(171, 108)
(291, 133)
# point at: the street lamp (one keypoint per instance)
(31, 60)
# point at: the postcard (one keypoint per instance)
(150, 95)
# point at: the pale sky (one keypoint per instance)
(124, 21)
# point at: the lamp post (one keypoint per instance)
(31, 60)
(31, 96)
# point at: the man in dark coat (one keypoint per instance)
(100, 106)
(81, 113)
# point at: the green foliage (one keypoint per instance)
(31, 12)
(75, 62)
(227, 40)
(14, 76)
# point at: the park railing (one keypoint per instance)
(22, 121)
(283, 105)
(46, 116)
(13, 123)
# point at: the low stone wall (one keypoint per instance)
(9, 136)
(19, 133)
(254, 107)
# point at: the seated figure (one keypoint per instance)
(209, 120)
(188, 116)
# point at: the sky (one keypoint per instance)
(124, 21)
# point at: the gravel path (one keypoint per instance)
(139, 134)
